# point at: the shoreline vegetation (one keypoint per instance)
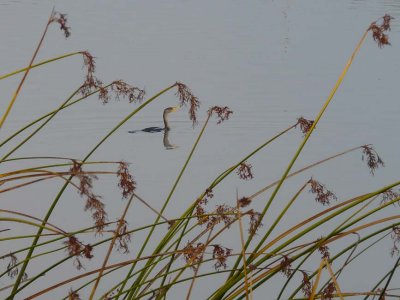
(191, 248)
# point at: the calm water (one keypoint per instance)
(269, 61)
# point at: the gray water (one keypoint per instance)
(269, 61)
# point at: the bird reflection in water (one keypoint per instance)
(166, 128)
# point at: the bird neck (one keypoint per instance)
(166, 125)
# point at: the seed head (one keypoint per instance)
(244, 201)
(304, 124)
(306, 285)
(61, 19)
(389, 195)
(378, 31)
(255, 222)
(186, 97)
(123, 237)
(78, 250)
(372, 158)
(223, 113)
(327, 293)
(286, 266)
(324, 250)
(323, 195)
(220, 254)
(244, 171)
(194, 254)
(126, 182)
(72, 295)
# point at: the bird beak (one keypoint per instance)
(175, 108)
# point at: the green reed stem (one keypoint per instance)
(297, 154)
(43, 62)
(53, 205)
(45, 116)
(162, 243)
(233, 280)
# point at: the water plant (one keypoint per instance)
(194, 239)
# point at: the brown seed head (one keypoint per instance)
(372, 158)
(77, 249)
(327, 293)
(126, 182)
(186, 97)
(223, 113)
(395, 235)
(244, 171)
(123, 237)
(125, 90)
(91, 82)
(194, 254)
(286, 266)
(306, 285)
(305, 125)
(323, 195)
(389, 195)
(72, 295)
(99, 215)
(200, 215)
(61, 19)
(378, 31)
(224, 213)
(12, 270)
(324, 250)
(255, 222)
(220, 254)
(244, 201)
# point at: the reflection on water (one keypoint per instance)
(167, 144)
(166, 141)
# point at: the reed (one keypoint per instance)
(193, 240)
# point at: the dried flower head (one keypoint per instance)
(223, 113)
(207, 196)
(85, 180)
(224, 213)
(99, 215)
(305, 125)
(126, 182)
(395, 235)
(72, 295)
(378, 31)
(125, 90)
(220, 254)
(91, 82)
(93, 202)
(323, 195)
(389, 195)
(123, 237)
(244, 201)
(200, 214)
(186, 97)
(255, 222)
(286, 266)
(306, 285)
(12, 269)
(328, 292)
(324, 250)
(78, 250)
(61, 19)
(194, 254)
(372, 158)
(244, 171)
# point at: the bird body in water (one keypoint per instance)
(166, 113)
